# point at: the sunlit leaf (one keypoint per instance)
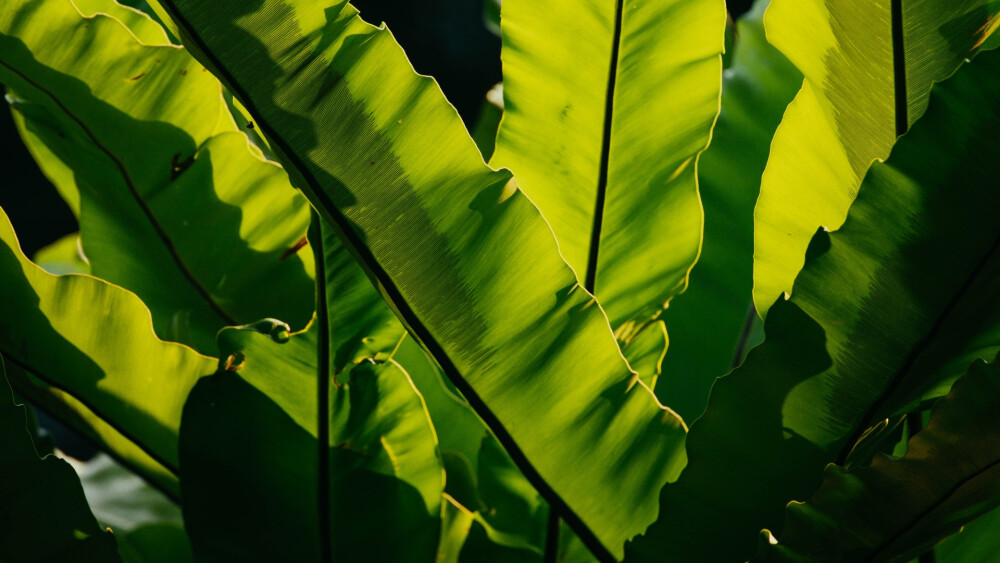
(869, 67)
(173, 203)
(886, 310)
(606, 108)
(94, 341)
(707, 322)
(465, 259)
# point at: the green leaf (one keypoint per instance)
(456, 521)
(854, 102)
(364, 328)
(173, 203)
(385, 475)
(480, 475)
(45, 516)
(886, 309)
(706, 322)
(93, 341)
(899, 507)
(978, 541)
(603, 134)
(465, 259)
(147, 525)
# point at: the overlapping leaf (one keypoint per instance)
(173, 204)
(898, 302)
(708, 320)
(45, 516)
(383, 459)
(978, 541)
(94, 341)
(147, 525)
(607, 105)
(899, 507)
(464, 257)
(868, 68)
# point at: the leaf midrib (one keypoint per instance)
(915, 352)
(364, 254)
(53, 382)
(140, 202)
(932, 507)
(590, 280)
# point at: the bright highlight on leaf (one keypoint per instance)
(313, 316)
(868, 68)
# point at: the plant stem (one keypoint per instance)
(322, 392)
(552, 537)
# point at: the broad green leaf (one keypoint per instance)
(465, 259)
(85, 421)
(607, 105)
(173, 203)
(45, 516)
(490, 487)
(707, 321)
(886, 308)
(94, 341)
(147, 525)
(869, 67)
(364, 328)
(899, 507)
(385, 477)
(978, 541)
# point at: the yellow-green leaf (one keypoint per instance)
(607, 105)
(465, 259)
(869, 66)
(888, 309)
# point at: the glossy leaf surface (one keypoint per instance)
(94, 341)
(364, 328)
(899, 507)
(173, 204)
(607, 105)
(869, 67)
(466, 260)
(707, 321)
(886, 310)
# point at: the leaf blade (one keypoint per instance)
(399, 192)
